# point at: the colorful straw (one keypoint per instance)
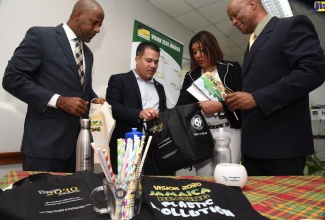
(130, 160)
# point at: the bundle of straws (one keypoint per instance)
(131, 155)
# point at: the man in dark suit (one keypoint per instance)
(282, 66)
(136, 97)
(43, 73)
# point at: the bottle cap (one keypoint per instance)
(132, 133)
(85, 123)
(221, 134)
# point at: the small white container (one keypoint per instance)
(230, 174)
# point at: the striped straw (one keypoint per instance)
(103, 164)
(109, 165)
(120, 156)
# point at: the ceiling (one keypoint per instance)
(211, 15)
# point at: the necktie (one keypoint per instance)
(251, 40)
(79, 60)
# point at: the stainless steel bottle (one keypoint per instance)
(84, 150)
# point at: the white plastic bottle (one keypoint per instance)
(221, 151)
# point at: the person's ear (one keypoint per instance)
(137, 58)
(78, 14)
(253, 4)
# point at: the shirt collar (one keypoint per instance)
(70, 34)
(138, 77)
(259, 28)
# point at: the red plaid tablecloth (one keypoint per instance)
(275, 197)
(16, 175)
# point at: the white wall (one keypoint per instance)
(318, 96)
(111, 47)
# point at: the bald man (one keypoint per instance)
(43, 73)
(284, 64)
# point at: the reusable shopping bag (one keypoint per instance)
(180, 138)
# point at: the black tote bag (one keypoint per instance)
(52, 197)
(180, 138)
(193, 199)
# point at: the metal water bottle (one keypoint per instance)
(221, 151)
(84, 150)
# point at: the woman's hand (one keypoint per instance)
(211, 107)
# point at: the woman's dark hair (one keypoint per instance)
(210, 48)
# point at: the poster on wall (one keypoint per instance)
(169, 70)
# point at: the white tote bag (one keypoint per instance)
(102, 125)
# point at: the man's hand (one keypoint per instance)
(99, 101)
(149, 114)
(240, 100)
(72, 105)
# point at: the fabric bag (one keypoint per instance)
(51, 197)
(102, 125)
(180, 138)
(176, 199)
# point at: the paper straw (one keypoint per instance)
(110, 175)
(108, 166)
(145, 153)
(136, 162)
(120, 157)
(137, 166)
(102, 163)
(126, 161)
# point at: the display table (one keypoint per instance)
(275, 197)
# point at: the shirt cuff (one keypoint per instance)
(53, 100)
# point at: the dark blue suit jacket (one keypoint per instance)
(284, 64)
(44, 65)
(123, 94)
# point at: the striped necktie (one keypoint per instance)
(79, 60)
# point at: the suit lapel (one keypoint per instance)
(162, 98)
(134, 84)
(260, 40)
(65, 45)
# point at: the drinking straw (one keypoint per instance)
(120, 156)
(129, 161)
(102, 162)
(137, 166)
(123, 163)
(129, 170)
(134, 155)
(145, 153)
(109, 165)
(135, 158)
(126, 159)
